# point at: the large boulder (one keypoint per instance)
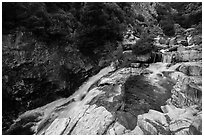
(191, 68)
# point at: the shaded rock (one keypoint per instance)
(127, 119)
(120, 75)
(196, 127)
(191, 68)
(182, 56)
(189, 55)
(25, 124)
(146, 92)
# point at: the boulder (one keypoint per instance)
(191, 68)
(189, 55)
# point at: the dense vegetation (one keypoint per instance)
(50, 49)
(144, 45)
(184, 13)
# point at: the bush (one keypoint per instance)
(144, 46)
(101, 23)
(168, 27)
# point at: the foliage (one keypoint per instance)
(165, 19)
(168, 27)
(101, 23)
(144, 45)
(185, 14)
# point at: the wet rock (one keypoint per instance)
(127, 119)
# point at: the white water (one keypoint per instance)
(167, 57)
(83, 89)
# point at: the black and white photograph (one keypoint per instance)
(101, 68)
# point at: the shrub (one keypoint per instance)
(168, 27)
(144, 46)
